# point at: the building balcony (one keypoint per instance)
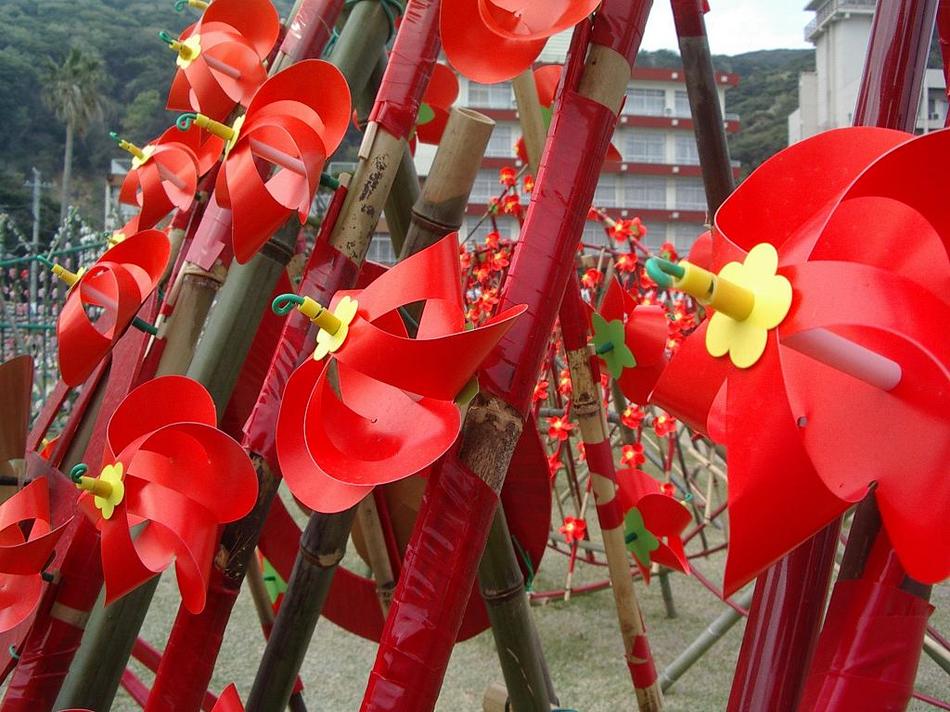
(830, 9)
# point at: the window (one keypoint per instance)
(606, 194)
(645, 102)
(690, 194)
(507, 228)
(644, 192)
(656, 234)
(594, 235)
(681, 104)
(485, 188)
(686, 151)
(645, 147)
(490, 96)
(685, 234)
(502, 142)
(381, 250)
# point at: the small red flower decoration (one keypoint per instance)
(632, 455)
(22, 557)
(632, 416)
(507, 176)
(592, 278)
(574, 529)
(492, 239)
(559, 428)
(166, 464)
(374, 405)
(626, 263)
(220, 57)
(664, 425)
(295, 120)
(528, 183)
(668, 252)
(118, 284)
(541, 390)
(564, 386)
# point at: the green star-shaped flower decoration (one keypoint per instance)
(609, 345)
(640, 542)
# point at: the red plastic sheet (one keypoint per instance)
(310, 28)
(868, 651)
(688, 16)
(440, 94)
(621, 29)
(416, 643)
(410, 65)
(212, 239)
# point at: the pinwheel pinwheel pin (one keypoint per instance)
(165, 464)
(374, 405)
(631, 341)
(653, 522)
(295, 120)
(831, 301)
(493, 40)
(220, 57)
(440, 94)
(22, 557)
(165, 173)
(118, 283)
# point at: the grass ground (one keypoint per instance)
(580, 641)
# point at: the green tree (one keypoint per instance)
(72, 91)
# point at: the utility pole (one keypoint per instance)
(37, 186)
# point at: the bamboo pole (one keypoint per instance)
(376, 551)
(462, 490)
(775, 655)
(588, 409)
(196, 293)
(440, 208)
(703, 93)
(529, 116)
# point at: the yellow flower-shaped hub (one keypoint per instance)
(188, 51)
(107, 489)
(333, 326)
(744, 339)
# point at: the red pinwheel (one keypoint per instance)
(440, 94)
(22, 557)
(631, 341)
(546, 80)
(228, 701)
(167, 465)
(834, 331)
(220, 57)
(117, 284)
(653, 522)
(384, 407)
(296, 119)
(493, 40)
(165, 172)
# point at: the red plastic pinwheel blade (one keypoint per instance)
(534, 19)
(443, 357)
(646, 332)
(373, 433)
(20, 555)
(19, 595)
(800, 185)
(443, 87)
(850, 423)
(16, 385)
(318, 86)
(546, 79)
(256, 21)
(229, 701)
(765, 457)
(308, 482)
(144, 256)
(205, 145)
(431, 131)
(230, 62)
(478, 51)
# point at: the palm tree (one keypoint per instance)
(71, 90)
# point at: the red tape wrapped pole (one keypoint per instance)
(457, 509)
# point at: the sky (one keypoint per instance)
(736, 26)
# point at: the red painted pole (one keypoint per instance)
(462, 492)
(785, 614)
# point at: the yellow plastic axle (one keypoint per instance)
(216, 127)
(97, 486)
(132, 148)
(64, 274)
(714, 291)
(320, 315)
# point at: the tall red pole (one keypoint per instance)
(462, 492)
(782, 631)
